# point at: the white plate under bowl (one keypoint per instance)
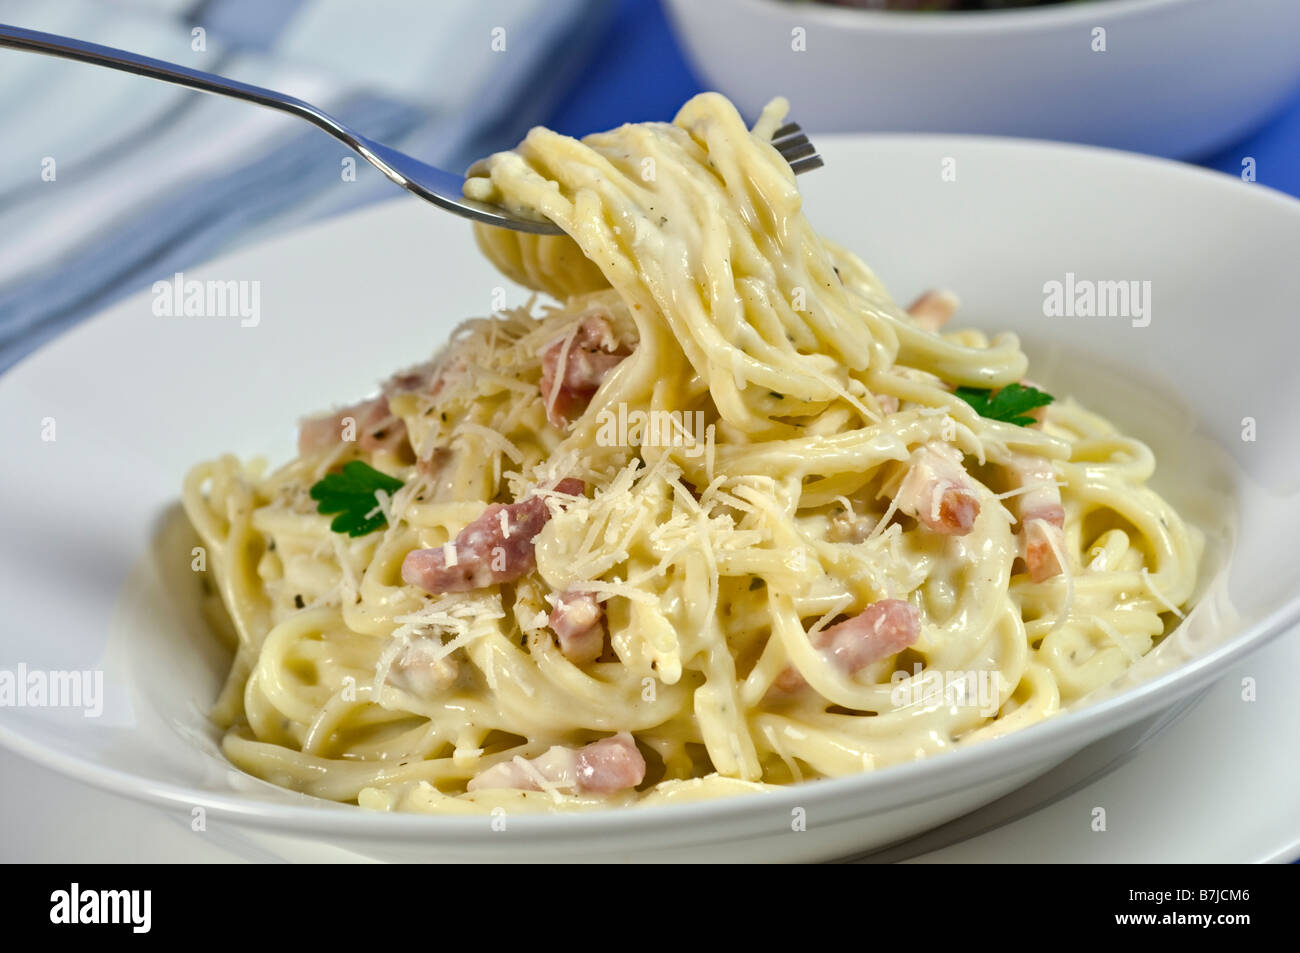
(94, 561)
(1177, 77)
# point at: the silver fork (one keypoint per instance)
(438, 186)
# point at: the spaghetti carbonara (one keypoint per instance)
(713, 515)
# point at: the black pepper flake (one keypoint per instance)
(297, 602)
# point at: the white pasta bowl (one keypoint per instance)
(1176, 77)
(100, 427)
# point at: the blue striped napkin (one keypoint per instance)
(108, 180)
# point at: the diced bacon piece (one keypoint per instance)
(880, 630)
(320, 433)
(420, 671)
(603, 767)
(1040, 496)
(611, 764)
(591, 355)
(570, 487)
(370, 423)
(1041, 515)
(933, 309)
(496, 547)
(577, 623)
(938, 492)
(1040, 558)
(575, 365)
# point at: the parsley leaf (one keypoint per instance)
(351, 494)
(1011, 404)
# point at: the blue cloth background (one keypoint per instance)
(638, 73)
(153, 179)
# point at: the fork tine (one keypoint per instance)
(800, 166)
(796, 148)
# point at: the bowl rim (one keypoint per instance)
(959, 21)
(882, 789)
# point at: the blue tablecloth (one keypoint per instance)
(639, 73)
(109, 182)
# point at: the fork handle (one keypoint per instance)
(62, 46)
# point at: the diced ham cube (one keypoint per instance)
(603, 767)
(1041, 515)
(609, 765)
(1040, 559)
(880, 630)
(497, 547)
(370, 423)
(938, 492)
(574, 367)
(578, 626)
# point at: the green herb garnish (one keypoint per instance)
(1010, 404)
(351, 494)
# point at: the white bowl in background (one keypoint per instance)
(95, 560)
(1178, 78)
